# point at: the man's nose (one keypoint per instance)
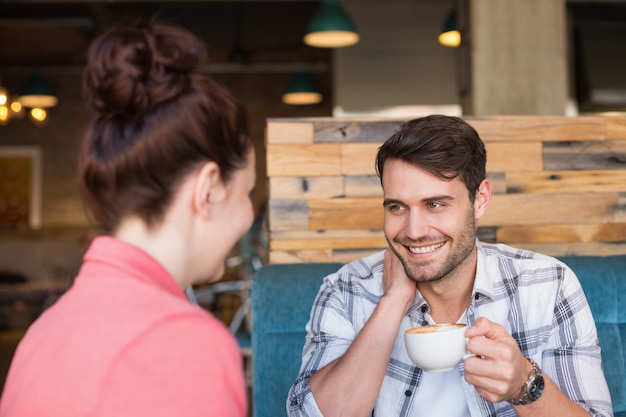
(416, 225)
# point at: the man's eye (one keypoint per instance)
(395, 207)
(434, 204)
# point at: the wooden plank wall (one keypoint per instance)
(559, 185)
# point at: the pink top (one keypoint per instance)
(124, 341)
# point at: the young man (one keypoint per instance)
(533, 337)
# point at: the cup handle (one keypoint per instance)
(468, 354)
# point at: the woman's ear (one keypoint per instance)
(209, 189)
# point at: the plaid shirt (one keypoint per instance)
(536, 298)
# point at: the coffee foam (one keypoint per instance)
(431, 328)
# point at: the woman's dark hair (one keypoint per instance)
(446, 147)
(157, 119)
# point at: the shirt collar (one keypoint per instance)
(109, 256)
(483, 282)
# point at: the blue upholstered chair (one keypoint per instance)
(604, 281)
(282, 296)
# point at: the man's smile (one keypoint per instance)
(425, 249)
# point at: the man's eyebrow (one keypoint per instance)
(390, 201)
(443, 197)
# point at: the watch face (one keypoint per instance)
(536, 388)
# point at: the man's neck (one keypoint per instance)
(449, 297)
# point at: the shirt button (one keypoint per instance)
(424, 308)
(408, 393)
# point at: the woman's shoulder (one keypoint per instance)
(192, 330)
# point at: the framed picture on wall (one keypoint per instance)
(20, 187)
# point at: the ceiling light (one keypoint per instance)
(4, 114)
(450, 36)
(4, 96)
(301, 90)
(7, 108)
(38, 115)
(37, 93)
(16, 106)
(331, 27)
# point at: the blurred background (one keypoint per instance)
(515, 57)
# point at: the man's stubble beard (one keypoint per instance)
(424, 271)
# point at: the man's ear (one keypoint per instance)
(208, 189)
(482, 199)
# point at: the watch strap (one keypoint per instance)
(533, 387)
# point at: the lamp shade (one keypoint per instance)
(37, 93)
(301, 90)
(450, 35)
(331, 27)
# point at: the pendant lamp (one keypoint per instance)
(450, 35)
(37, 93)
(331, 27)
(301, 90)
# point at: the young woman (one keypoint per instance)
(167, 170)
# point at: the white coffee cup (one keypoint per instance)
(436, 347)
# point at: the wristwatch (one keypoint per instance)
(532, 388)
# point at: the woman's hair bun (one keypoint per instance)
(132, 70)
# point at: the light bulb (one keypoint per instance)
(4, 115)
(4, 96)
(38, 114)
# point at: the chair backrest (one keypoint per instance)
(604, 281)
(282, 296)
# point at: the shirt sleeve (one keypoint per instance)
(573, 358)
(187, 365)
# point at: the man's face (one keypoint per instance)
(430, 223)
